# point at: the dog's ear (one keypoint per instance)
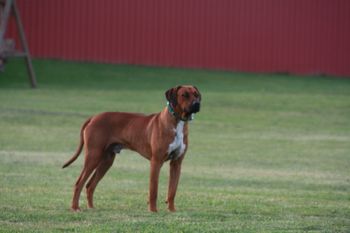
(199, 94)
(171, 95)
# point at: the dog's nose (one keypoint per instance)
(195, 107)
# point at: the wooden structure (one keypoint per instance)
(7, 46)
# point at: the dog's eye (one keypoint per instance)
(186, 95)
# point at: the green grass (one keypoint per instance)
(268, 153)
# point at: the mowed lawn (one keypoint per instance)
(268, 153)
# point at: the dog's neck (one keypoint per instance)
(172, 112)
(167, 117)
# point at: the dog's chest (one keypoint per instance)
(177, 147)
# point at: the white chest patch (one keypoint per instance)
(177, 147)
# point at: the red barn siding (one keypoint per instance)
(296, 36)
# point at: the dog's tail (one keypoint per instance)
(77, 153)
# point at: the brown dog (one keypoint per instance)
(158, 137)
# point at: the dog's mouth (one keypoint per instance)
(193, 109)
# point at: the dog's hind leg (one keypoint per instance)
(100, 171)
(92, 160)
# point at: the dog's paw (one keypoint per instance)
(75, 209)
(171, 206)
(152, 209)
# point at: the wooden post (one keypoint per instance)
(4, 18)
(11, 5)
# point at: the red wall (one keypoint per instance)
(296, 36)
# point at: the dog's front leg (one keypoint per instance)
(153, 184)
(174, 176)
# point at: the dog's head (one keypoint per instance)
(184, 101)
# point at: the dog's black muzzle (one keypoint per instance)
(196, 106)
